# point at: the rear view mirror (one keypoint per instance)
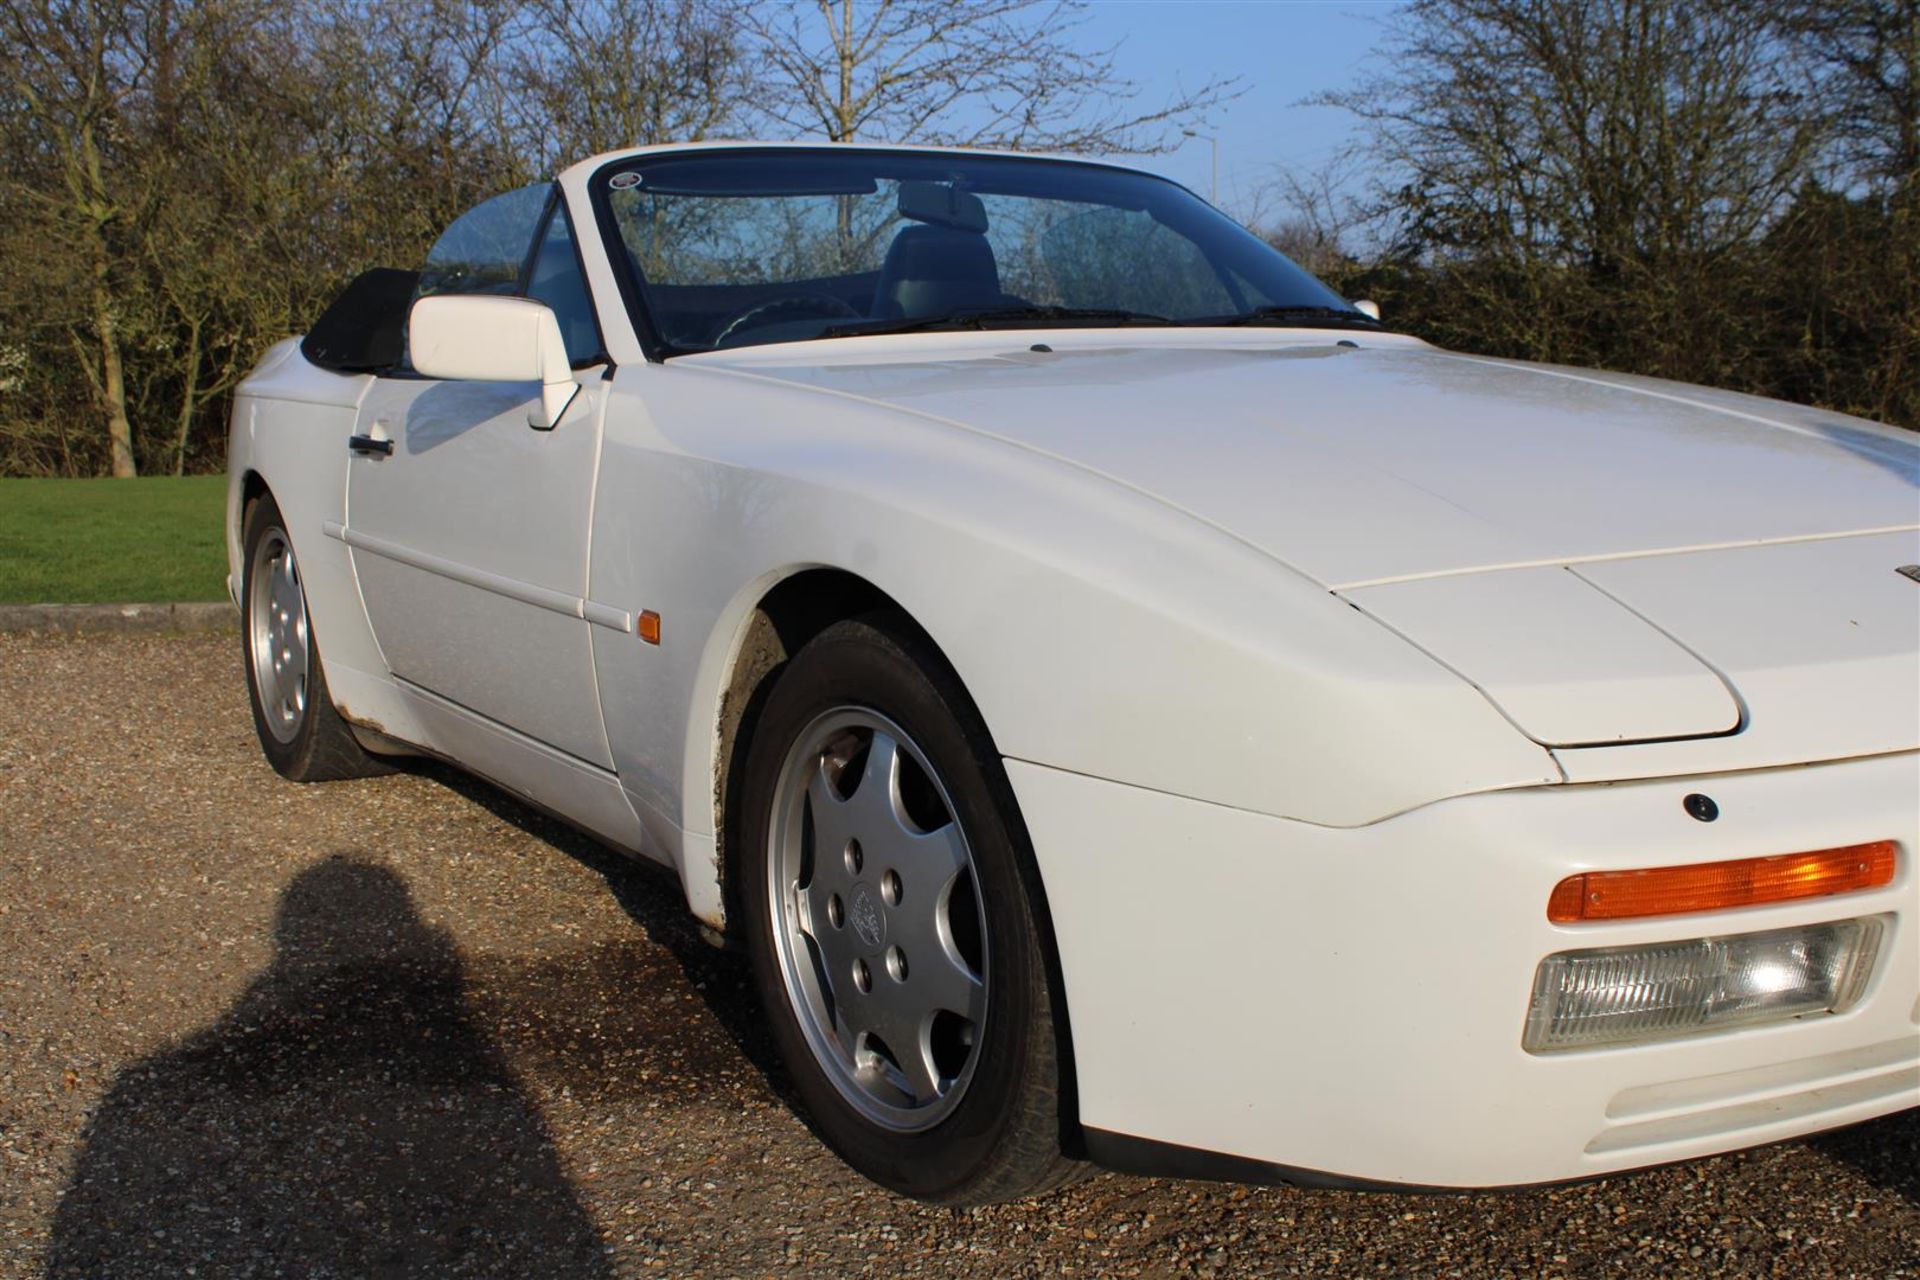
(943, 205)
(482, 337)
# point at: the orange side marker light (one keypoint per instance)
(648, 626)
(1716, 886)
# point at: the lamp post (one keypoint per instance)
(1213, 144)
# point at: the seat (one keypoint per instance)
(930, 270)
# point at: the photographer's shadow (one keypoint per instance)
(347, 1117)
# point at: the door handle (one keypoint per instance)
(368, 444)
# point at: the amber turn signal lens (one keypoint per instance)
(647, 627)
(1715, 886)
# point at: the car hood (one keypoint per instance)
(1393, 460)
(1609, 560)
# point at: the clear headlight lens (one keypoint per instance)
(1662, 990)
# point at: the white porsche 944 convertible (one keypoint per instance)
(1133, 707)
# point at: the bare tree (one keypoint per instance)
(1863, 57)
(71, 69)
(1855, 248)
(1313, 215)
(1003, 73)
(1620, 182)
(1587, 165)
(601, 74)
(402, 106)
(1591, 131)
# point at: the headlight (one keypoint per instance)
(1664, 990)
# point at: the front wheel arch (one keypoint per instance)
(903, 633)
(788, 615)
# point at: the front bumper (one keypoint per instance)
(1350, 1001)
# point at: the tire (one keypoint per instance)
(303, 736)
(884, 882)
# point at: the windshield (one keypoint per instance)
(732, 248)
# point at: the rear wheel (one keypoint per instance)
(303, 736)
(893, 924)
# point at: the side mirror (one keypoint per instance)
(1367, 307)
(483, 337)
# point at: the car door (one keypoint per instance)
(468, 527)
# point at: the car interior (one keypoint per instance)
(939, 262)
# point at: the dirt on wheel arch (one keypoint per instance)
(406, 1027)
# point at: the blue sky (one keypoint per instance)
(1283, 50)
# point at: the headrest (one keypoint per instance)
(939, 253)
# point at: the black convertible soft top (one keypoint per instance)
(364, 330)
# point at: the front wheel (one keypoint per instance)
(893, 925)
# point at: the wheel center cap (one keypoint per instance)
(864, 914)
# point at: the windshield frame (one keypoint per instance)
(659, 348)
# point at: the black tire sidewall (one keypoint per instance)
(859, 664)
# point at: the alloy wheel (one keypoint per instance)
(277, 635)
(878, 923)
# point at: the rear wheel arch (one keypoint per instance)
(301, 732)
(253, 487)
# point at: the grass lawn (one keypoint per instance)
(112, 541)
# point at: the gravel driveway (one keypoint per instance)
(406, 1027)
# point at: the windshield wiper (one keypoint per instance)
(1031, 317)
(1298, 317)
